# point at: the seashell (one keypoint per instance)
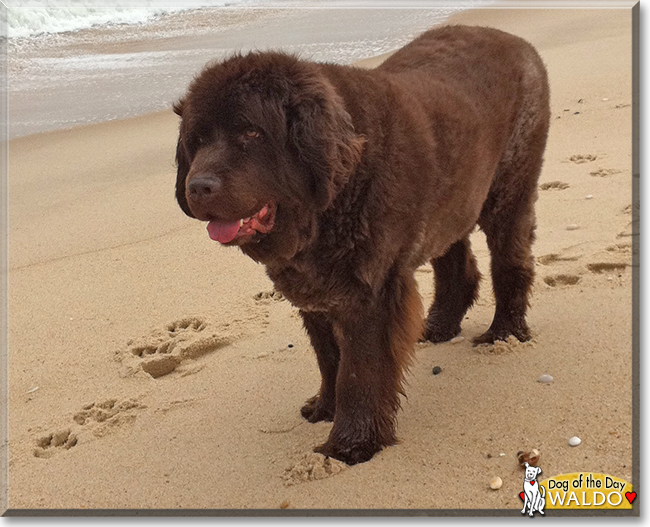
(496, 483)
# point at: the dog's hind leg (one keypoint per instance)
(457, 281)
(508, 220)
(508, 214)
(321, 407)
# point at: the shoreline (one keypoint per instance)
(142, 69)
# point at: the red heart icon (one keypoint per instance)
(631, 496)
(522, 496)
(532, 482)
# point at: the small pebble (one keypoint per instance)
(502, 454)
(575, 441)
(605, 99)
(545, 379)
(457, 339)
(576, 113)
(589, 197)
(436, 370)
(496, 483)
(290, 346)
(284, 504)
(572, 227)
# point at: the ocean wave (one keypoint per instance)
(29, 18)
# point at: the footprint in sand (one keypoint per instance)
(164, 350)
(54, 442)
(624, 249)
(582, 158)
(552, 258)
(604, 172)
(100, 418)
(311, 467)
(561, 279)
(276, 296)
(97, 419)
(606, 267)
(554, 185)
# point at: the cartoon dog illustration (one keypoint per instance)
(534, 499)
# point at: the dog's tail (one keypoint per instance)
(542, 491)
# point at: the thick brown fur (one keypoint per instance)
(373, 173)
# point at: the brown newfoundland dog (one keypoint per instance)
(342, 181)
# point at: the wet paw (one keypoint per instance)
(437, 330)
(522, 334)
(349, 454)
(315, 410)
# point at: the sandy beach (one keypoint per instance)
(150, 368)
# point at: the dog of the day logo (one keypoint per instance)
(580, 490)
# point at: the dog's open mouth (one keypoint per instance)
(261, 222)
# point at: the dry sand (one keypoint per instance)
(151, 368)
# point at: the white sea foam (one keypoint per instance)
(28, 18)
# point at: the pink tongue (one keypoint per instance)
(223, 232)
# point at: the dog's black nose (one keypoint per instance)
(203, 185)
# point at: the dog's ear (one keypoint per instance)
(183, 164)
(321, 131)
(178, 107)
(539, 471)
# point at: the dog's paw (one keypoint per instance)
(349, 454)
(437, 333)
(522, 334)
(316, 410)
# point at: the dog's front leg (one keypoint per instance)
(321, 406)
(526, 503)
(376, 340)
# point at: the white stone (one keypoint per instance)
(589, 197)
(457, 339)
(575, 441)
(545, 379)
(572, 227)
(496, 483)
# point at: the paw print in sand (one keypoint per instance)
(164, 350)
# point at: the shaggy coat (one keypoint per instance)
(343, 181)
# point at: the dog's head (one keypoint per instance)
(531, 472)
(265, 142)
